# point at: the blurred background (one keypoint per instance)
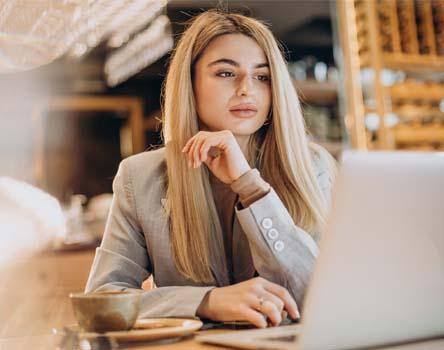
(80, 84)
(74, 107)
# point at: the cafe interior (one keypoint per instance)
(81, 88)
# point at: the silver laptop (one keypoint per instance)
(379, 278)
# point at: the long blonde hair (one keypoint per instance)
(281, 150)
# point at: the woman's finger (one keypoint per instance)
(209, 162)
(186, 149)
(254, 317)
(208, 149)
(268, 308)
(190, 152)
(204, 149)
(187, 145)
(196, 150)
(282, 293)
(274, 299)
(193, 147)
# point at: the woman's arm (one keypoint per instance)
(122, 261)
(282, 252)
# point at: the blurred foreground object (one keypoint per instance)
(393, 65)
(35, 281)
(30, 220)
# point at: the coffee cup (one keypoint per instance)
(106, 311)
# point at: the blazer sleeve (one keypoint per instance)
(122, 261)
(282, 252)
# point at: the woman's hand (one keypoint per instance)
(220, 152)
(253, 301)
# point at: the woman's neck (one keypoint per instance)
(242, 140)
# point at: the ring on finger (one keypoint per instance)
(261, 301)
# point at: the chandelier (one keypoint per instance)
(36, 32)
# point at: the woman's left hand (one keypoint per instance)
(228, 164)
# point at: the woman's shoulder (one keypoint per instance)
(322, 159)
(145, 166)
(153, 157)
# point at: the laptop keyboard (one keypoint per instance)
(291, 338)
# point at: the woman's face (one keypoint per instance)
(232, 85)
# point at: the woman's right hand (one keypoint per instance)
(250, 301)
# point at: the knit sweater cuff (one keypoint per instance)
(250, 187)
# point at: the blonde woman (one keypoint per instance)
(226, 216)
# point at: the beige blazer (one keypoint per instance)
(136, 241)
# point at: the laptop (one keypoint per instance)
(379, 278)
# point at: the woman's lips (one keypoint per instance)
(244, 110)
(243, 113)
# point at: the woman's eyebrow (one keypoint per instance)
(234, 63)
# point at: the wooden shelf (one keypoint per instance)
(415, 135)
(418, 91)
(413, 63)
(401, 35)
(315, 92)
(417, 113)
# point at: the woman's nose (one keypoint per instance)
(244, 87)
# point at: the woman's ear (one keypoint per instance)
(269, 118)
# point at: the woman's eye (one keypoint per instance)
(225, 74)
(263, 77)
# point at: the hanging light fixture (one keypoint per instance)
(144, 49)
(31, 31)
(37, 32)
(129, 24)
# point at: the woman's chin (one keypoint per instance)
(243, 129)
(238, 129)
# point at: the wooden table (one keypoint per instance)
(34, 300)
(49, 342)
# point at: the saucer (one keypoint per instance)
(152, 329)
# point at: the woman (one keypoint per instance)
(227, 215)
